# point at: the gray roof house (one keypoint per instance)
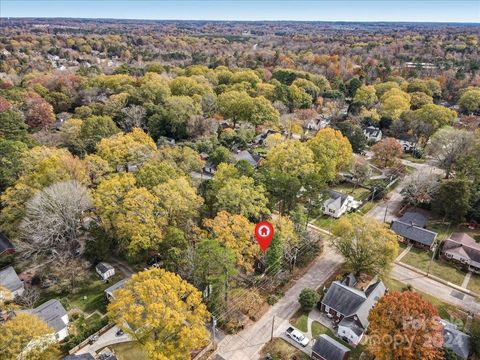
(373, 133)
(326, 348)
(415, 218)
(10, 280)
(462, 248)
(349, 307)
(415, 234)
(105, 270)
(456, 340)
(337, 204)
(245, 155)
(118, 285)
(55, 315)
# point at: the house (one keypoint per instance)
(408, 143)
(414, 234)
(316, 124)
(246, 156)
(118, 285)
(455, 340)
(209, 168)
(105, 270)
(10, 280)
(348, 305)
(338, 204)
(326, 348)
(55, 315)
(373, 134)
(6, 247)
(415, 218)
(464, 250)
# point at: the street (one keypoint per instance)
(248, 343)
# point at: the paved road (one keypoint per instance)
(436, 289)
(248, 343)
(106, 339)
(387, 209)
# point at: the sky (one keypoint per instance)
(313, 10)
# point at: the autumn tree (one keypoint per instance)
(291, 158)
(236, 233)
(332, 152)
(25, 336)
(470, 100)
(431, 117)
(38, 112)
(132, 148)
(13, 126)
(366, 244)
(420, 188)
(95, 128)
(365, 96)
(410, 322)
(448, 145)
(174, 311)
(11, 161)
(452, 199)
(387, 152)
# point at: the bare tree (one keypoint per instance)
(133, 116)
(420, 188)
(29, 298)
(448, 145)
(52, 219)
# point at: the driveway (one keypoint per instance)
(386, 210)
(106, 339)
(248, 343)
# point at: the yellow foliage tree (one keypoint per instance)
(236, 233)
(26, 337)
(163, 313)
(291, 157)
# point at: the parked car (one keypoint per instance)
(297, 336)
(119, 332)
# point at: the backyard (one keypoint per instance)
(128, 350)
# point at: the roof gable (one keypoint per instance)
(9, 279)
(329, 348)
(414, 233)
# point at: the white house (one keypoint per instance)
(373, 134)
(105, 270)
(338, 204)
(55, 315)
(10, 280)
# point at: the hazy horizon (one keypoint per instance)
(408, 11)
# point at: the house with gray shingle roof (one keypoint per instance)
(349, 307)
(455, 340)
(326, 348)
(415, 218)
(55, 315)
(464, 250)
(118, 285)
(246, 156)
(10, 280)
(414, 234)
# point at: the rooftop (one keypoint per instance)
(329, 348)
(9, 279)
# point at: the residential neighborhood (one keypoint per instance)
(270, 181)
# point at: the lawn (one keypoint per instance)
(474, 283)
(128, 351)
(279, 349)
(301, 323)
(445, 310)
(347, 188)
(88, 296)
(420, 259)
(318, 329)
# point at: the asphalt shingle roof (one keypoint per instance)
(51, 312)
(329, 348)
(414, 233)
(5, 244)
(103, 267)
(414, 218)
(456, 340)
(9, 279)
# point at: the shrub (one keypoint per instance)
(308, 299)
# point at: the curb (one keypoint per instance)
(436, 278)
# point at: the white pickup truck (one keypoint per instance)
(297, 336)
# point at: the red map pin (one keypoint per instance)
(264, 234)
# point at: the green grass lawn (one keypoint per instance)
(129, 351)
(318, 329)
(279, 349)
(409, 157)
(88, 296)
(421, 259)
(358, 192)
(445, 310)
(474, 283)
(301, 323)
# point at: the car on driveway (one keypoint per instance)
(297, 336)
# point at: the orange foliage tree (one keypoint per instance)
(387, 152)
(403, 326)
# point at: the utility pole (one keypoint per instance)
(385, 215)
(214, 324)
(273, 324)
